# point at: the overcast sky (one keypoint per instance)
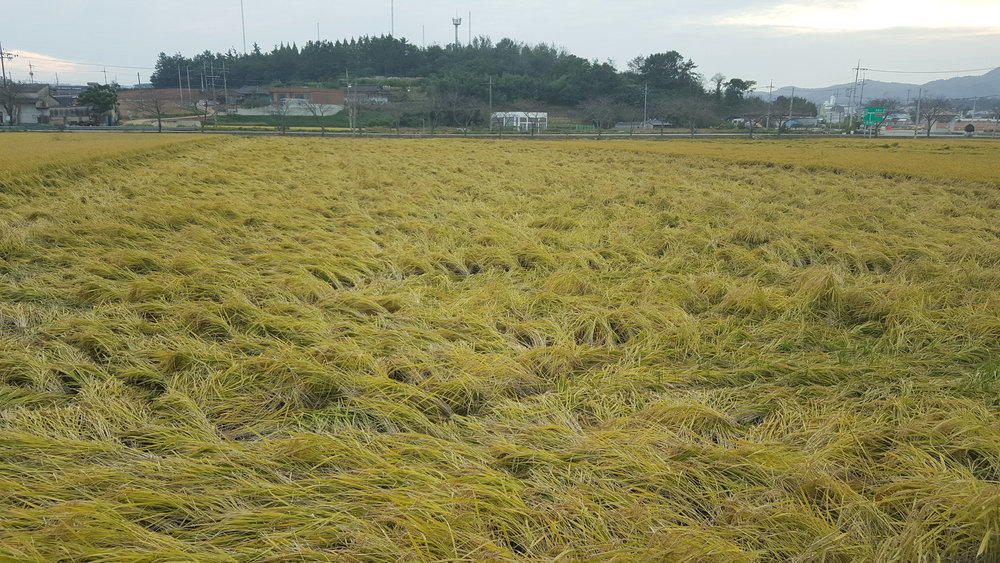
(792, 42)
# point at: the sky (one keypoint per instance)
(785, 43)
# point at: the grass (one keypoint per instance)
(276, 348)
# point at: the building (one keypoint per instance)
(256, 95)
(520, 120)
(647, 125)
(831, 112)
(367, 94)
(31, 106)
(68, 113)
(321, 96)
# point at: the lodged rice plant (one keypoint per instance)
(366, 350)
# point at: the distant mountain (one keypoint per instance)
(985, 86)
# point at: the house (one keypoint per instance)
(310, 95)
(258, 95)
(68, 113)
(31, 105)
(367, 94)
(647, 125)
(520, 120)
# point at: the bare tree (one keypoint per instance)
(397, 108)
(891, 105)
(933, 110)
(354, 103)
(688, 110)
(9, 91)
(435, 108)
(719, 80)
(280, 111)
(154, 105)
(601, 112)
(464, 109)
(320, 111)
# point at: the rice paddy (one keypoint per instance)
(229, 348)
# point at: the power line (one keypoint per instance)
(930, 71)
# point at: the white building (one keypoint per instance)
(832, 112)
(521, 120)
(31, 105)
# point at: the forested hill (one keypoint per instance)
(518, 71)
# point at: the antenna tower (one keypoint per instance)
(457, 22)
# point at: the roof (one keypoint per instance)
(34, 94)
(249, 90)
(300, 90)
(365, 88)
(32, 88)
(65, 101)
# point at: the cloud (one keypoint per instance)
(42, 64)
(867, 15)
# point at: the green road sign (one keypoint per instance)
(874, 115)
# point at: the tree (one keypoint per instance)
(933, 110)
(719, 80)
(464, 109)
(690, 110)
(9, 91)
(891, 105)
(736, 89)
(279, 110)
(155, 105)
(667, 72)
(600, 111)
(353, 102)
(320, 111)
(101, 99)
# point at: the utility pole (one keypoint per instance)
(861, 99)
(3, 67)
(215, 95)
(920, 93)
(225, 83)
(854, 89)
(31, 72)
(190, 97)
(770, 88)
(491, 103)
(791, 104)
(105, 77)
(5, 84)
(645, 104)
(180, 83)
(243, 20)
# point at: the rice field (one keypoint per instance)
(229, 348)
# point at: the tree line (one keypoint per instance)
(509, 74)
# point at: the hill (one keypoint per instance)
(962, 87)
